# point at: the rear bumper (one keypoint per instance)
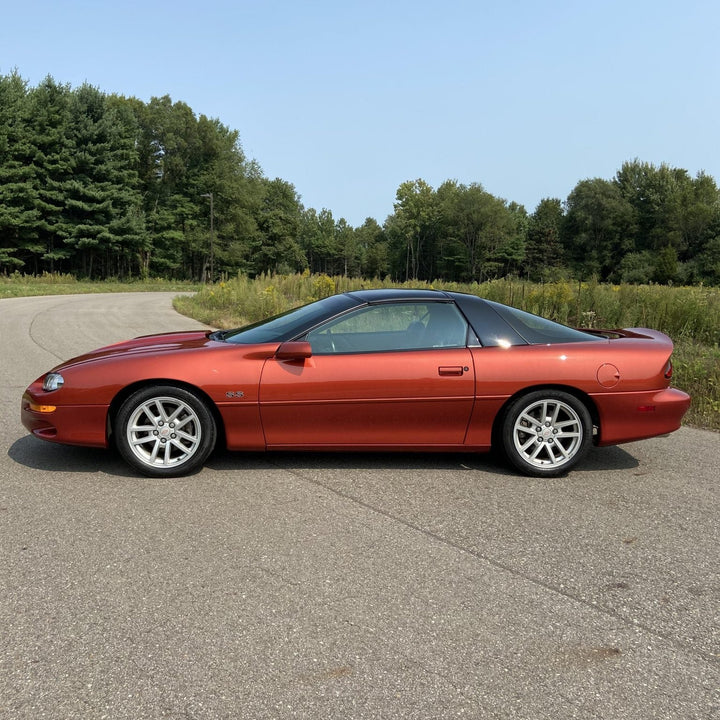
(626, 417)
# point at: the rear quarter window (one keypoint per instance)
(537, 330)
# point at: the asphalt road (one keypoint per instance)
(344, 586)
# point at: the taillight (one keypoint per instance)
(668, 370)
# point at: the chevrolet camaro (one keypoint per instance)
(366, 370)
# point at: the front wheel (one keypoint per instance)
(546, 432)
(165, 431)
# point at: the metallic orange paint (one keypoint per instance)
(436, 398)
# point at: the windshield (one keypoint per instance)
(289, 324)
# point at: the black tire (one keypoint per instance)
(546, 432)
(165, 431)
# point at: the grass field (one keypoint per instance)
(689, 315)
(18, 285)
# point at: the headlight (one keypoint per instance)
(53, 381)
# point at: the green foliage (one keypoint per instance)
(672, 213)
(596, 229)
(697, 371)
(323, 286)
(666, 267)
(102, 218)
(275, 248)
(104, 186)
(19, 285)
(244, 300)
(637, 267)
(413, 229)
(543, 245)
(458, 232)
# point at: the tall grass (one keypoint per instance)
(689, 315)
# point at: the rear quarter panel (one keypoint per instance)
(635, 367)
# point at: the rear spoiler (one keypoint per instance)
(630, 333)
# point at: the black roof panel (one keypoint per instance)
(385, 294)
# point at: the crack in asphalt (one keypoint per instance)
(35, 341)
(628, 622)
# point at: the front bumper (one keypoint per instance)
(68, 424)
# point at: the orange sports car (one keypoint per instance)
(366, 370)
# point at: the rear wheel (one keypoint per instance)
(546, 432)
(165, 431)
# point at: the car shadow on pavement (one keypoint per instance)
(598, 459)
(50, 457)
(36, 454)
(39, 455)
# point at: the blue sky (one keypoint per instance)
(347, 100)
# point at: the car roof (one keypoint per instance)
(386, 294)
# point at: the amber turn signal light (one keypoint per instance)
(42, 408)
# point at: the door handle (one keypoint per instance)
(451, 370)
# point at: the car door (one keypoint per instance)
(387, 374)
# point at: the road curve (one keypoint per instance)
(344, 586)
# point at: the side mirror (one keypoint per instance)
(298, 350)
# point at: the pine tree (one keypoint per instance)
(19, 215)
(102, 216)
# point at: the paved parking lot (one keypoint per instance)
(344, 586)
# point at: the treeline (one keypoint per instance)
(99, 186)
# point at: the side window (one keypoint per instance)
(392, 326)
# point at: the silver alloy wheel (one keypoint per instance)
(164, 432)
(548, 433)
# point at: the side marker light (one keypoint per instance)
(43, 408)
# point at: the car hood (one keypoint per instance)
(154, 344)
